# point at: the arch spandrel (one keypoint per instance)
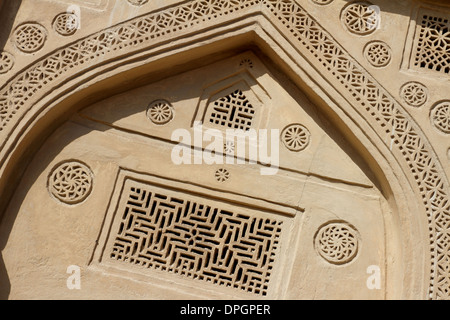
(22, 97)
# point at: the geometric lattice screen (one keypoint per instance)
(180, 234)
(432, 50)
(233, 111)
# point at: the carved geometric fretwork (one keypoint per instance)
(414, 94)
(30, 37)
(6, 62)
(175, 233)
(337, 243)
(432, 49)
(233, 111)
(391, 120)
(440, 116)
(70, 182)
(123, 36)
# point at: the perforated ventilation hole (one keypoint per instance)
(6, 62)
(233, 111)
(360, 18)
(296, 137)
(378, 53)
(440, 117)
(198, 241)
(377, 104)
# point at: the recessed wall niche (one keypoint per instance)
(200, 230)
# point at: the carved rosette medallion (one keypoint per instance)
(296, 137)
(160, 112)
(337, 243)
(30, 37)
(70, 182)
(440, 117)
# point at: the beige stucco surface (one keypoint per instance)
(358, 206)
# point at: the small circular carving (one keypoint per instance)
(6, 62)
(247, 63)
(137, 2)
(30, 37)
(66, 24)
(296, 137)
(229, 148)
(360, 18)
(160, 112)
(71, 182)
(440, 116)
(414, 93)
(322, 2)
(222, 175)
(337, 243)
(378, 53)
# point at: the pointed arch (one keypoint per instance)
(30, 95)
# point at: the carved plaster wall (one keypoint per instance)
(92, 91)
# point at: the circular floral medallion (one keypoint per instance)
(378, 53)
(30, 37)
(70, 182)
(360, 18)
(440, 116)
(160, 112)
(296, 137)
(337, 243)
(6, 62)
(414, 93)
(66, 24)
(222, 175)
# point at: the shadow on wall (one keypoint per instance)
(5, 285)
(8, 12)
